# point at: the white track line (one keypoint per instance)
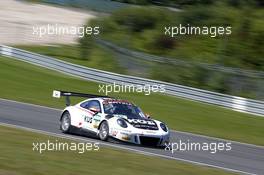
(29, 104)
(220, 139)
(121, 147)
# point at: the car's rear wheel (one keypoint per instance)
(104, 131)
(66, 122)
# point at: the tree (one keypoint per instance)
(86, 45)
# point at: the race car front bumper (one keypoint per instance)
(143, 139)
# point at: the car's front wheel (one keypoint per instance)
(66, 122)
(104, 131)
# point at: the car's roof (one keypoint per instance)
(108, 100)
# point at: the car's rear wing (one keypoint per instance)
(67, 95)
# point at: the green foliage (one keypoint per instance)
(86, 43)
(138, 19)
(99, 57)
(142, 29)
(86, 46)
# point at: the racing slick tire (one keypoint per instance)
(104, 131)
(65, 124)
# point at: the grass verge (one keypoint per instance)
(24, 82)
(18, 158)
(99, 58)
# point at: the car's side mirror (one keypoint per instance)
(147, 115)
(96, 111)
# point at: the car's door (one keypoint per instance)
(91, 114)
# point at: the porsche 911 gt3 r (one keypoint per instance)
(108, 117)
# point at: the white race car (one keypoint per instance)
(108, 117)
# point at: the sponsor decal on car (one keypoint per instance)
(120, 116)
(86, 110)
(125, 136)
(107, 101)
(96, 120)
(114, 133)
(139, 121)
(143, 124)
(151, 132)
(87, 119)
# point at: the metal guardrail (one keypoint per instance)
(232, 102)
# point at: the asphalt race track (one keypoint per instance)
(242, 158)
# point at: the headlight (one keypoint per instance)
(122, 123)
(163, 127)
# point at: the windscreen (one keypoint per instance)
(130, 111)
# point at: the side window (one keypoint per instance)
(91, 104)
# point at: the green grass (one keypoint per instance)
(24, 82)
(99, 58)
(18, 158)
